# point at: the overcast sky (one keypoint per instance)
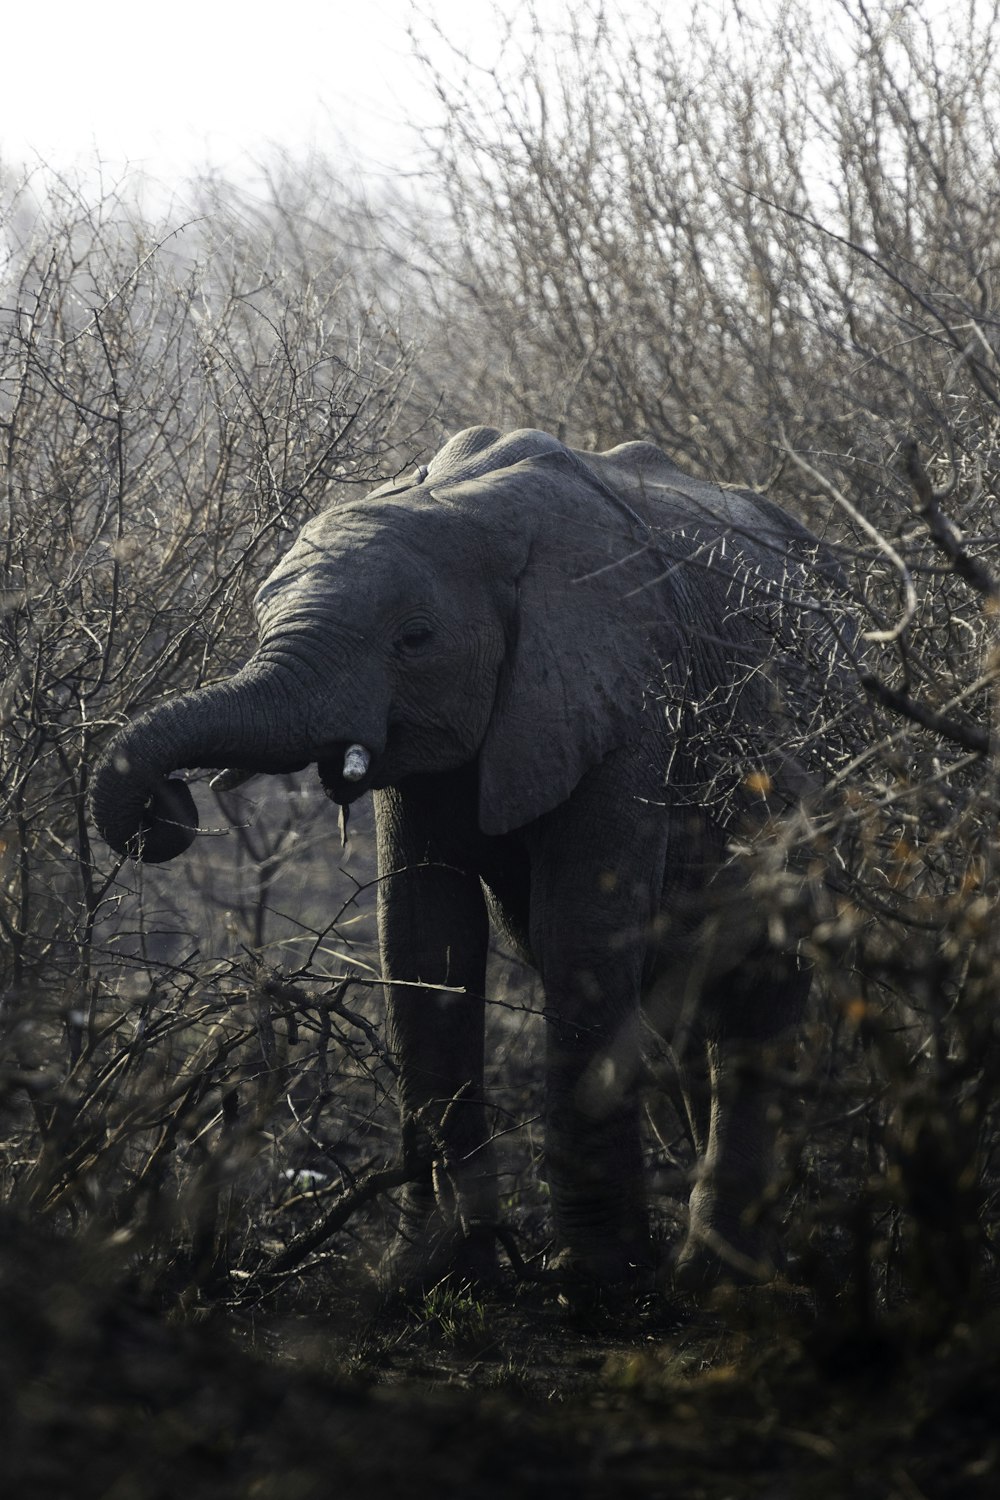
(174, 87)
(171, 87)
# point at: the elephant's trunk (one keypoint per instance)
(250, 721)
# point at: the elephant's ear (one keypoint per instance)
(575, 681)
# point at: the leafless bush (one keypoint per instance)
(174, 400)
(700, 234)
(767, 243)
(766, 240)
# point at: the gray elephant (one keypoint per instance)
(576, 685)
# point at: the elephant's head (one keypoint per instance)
(477, 611)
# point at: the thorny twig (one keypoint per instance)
(948, 539)
(970, 736)
(909, 590)
(379, 1180)
(943, 532)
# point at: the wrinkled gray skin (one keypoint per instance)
(562, 668)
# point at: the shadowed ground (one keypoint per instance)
(103, 1396)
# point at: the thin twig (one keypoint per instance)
(884, 546)
(943, 532)
(969, 736)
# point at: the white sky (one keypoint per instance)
(173, 86)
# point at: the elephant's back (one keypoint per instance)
(639, 473)
(483, 450)
(643, 477)
(667, 496)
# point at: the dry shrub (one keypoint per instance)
(765, 238)
(765, 242)
(175, 398)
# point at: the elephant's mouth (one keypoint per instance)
(345, 772)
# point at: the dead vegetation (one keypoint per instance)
(768, 245)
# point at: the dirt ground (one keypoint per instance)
(515, 1394)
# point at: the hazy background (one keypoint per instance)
(218, 83)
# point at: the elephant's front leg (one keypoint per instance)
(448, 1210)
(434, 931)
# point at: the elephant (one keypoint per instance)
(579, 685)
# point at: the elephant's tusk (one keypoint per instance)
(356, 762)
(227, 781)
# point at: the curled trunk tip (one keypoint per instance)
(149, 821)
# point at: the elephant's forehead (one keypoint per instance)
(338, 553)
(370, 526)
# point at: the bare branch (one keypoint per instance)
(944, 533)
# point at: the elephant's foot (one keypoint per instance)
(722, 1246)
(596, 1179)
(620, 1256)
(608, 1270)
(704, 1263)
(428, 1248)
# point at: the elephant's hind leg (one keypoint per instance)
(729, 1237)
(596, 869)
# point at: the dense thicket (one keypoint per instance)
(175, 398)
(767, 241)
(774, 221)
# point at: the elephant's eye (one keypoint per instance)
(414, 635)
